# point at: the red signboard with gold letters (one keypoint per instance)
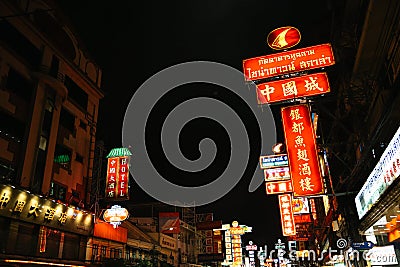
(117, 181)
(302, 151)
(271, 65)
(287, 220)
(302, 86)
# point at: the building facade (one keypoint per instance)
(363, 140)
(49, 99)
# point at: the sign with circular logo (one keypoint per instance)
(115, 215)
(283, 38)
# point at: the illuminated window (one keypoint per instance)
(57, 191)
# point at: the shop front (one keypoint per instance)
(378, 208)
(35, 230)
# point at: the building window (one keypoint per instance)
(82, 124)
(57, 191)
(19, 85)
(11, 128)
(76, 93)
(67, 120)
(19, 43)
(79, 158)
(62, 156)
(95, 252)
(103, 252)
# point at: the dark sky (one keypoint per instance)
(133, 40)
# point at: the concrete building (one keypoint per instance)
(49, 99)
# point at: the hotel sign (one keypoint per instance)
(287, 89)
(302, 151)
(307, 58)
(117, 183)
(21, 205)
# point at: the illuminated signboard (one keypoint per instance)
(283, 38)
(115, 215)
(287, 89)
(276, 174)
(312, 57)
(302, 218)
(300, 205)
(287, 220)
(382, 256)
(279, 187)
(302, 151)
(385, 172)
(273, 161)
(233, 241)
(15, 203)
(117, 182)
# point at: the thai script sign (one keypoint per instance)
(272, 161)
(312, 57)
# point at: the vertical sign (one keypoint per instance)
(302, 151)
(287, 220)
(117, 183)
(123, 173)
(111, 182)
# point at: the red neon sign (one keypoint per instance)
(312, 57)
(302, 151)
(117, 181)
(283, 38)
(281, 90)
(287, 220)
(278, 187)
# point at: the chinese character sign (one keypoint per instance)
(117, 181)
(278, 187)
(27, 207)
(281, 90)
(312, 57)
(302, 151)
(287, 220)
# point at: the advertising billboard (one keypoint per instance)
(169, 222)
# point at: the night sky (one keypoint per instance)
(133, 40)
